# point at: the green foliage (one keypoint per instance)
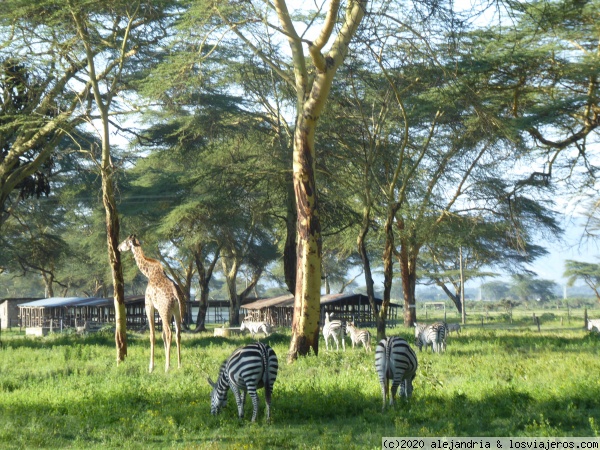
(66, 391)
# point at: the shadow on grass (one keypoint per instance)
(525, 342)
(306, 413)
(201, 341)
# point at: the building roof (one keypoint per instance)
(57, 302)
(17, 299)
(287, 301)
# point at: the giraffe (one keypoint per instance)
(161, 294)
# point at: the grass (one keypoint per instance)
(66, 391)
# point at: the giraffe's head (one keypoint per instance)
(129, 243)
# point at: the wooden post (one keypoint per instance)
(534, 318)
(585, 318)
(481, 321)
(537, 320)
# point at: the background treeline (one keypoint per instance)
(459, 127)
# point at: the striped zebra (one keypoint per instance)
(450, 327)
(395, 360)
(256, 327)
(357, 336)
(593, 324)
(335, 330)
(247, 369)
(434, 335)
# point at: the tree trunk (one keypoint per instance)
(408, 268)
(230, 269)
(289, 250)
(108, 196)
(370, 284)
(388, 269)
(454, 297)
(204, 276)
(201, 317)
(307, 304)
(114, 256)
(48, 284)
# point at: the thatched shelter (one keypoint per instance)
(56, 313)
(346, 306)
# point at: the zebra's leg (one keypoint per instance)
(409, 386)
(395, 385)
(239, 400)
(268, 392)
(337, 344)
(343, 338)
(403, 388)
(254, 398)
(384, 390)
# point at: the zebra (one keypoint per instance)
(434, 335)
(593, 324)
(335, 330)
(395, 360)
(256, 327)
(247, 369)
(453, 327)
(357, 336)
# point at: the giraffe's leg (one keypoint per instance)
(150, 317)
(167, 338)
(177, 315)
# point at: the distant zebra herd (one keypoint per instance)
(255, 366)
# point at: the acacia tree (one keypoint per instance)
(486, 242)
(588, 272)
(40, 102)
(311, 87)
(109, 51)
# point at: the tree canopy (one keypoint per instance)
(345, 142)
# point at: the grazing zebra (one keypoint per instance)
(256, 327)
(593, 324)
(357, 336)
(450, 327)
(395, 360)
(335, 330)
(434, 335)
(246, 370)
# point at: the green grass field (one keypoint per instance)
(66, 391)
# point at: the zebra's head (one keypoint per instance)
(419, 328)
(217, 402)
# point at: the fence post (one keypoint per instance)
(585, 318)
(537, 320)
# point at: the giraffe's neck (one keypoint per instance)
(147, 266)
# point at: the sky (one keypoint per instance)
(552, 266)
